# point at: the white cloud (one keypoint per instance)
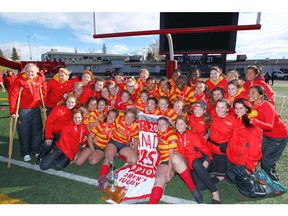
(270, 41)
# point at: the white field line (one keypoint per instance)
(90, 181)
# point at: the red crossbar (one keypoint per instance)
(180, 31)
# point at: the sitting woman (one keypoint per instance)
(124, 141)
(167, 146)
(72, 135)
(97, 140)
(59, 117)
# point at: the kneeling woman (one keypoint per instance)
(167, 146)
(72, 135)
(244, 151)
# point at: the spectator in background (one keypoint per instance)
(2, 89)
(267, 77)
(2, 83)
(272, 78)
(9, 79)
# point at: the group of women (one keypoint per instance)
(208, 131)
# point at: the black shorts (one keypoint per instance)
(165, 162)
(219, 164)
(118, 145)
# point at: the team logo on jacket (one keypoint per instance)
(228, 123)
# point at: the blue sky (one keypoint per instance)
(66, 31)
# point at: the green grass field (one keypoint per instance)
(35, 187)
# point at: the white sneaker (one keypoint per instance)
(27, 158)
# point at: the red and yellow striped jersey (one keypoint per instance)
(169, 112)
(139, 105)
(103, 132)
(187, 95)
(166, 141)
(124, 133)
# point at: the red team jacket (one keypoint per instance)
(244, 147)
(56, 90)
(56, 120)
(72, 136)
(269, 121)
(30, 96)
(221, 83)
(191, 146)
(268, 90)
(221, 130)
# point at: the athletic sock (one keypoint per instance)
(155, 195)
(104, 169)
(186, 176)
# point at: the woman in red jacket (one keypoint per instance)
(244, 152)
(73, 134)
(197, 155)
(235, 90)
(275, 131)
(29, 124)
(57, 87)
(57, 119)
(253, 77)
(216, 79)
(221, 130)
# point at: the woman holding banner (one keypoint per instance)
(167, 146)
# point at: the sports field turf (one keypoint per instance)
(25, 183)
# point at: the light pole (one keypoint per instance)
(30, 48)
